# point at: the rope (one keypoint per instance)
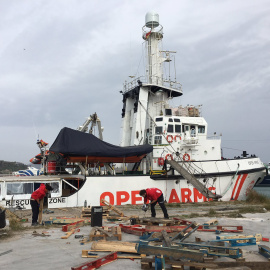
(230, 184)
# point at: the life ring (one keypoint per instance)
(186, 157)
(177, 136)
(169, 138)
(169, 155)
(160, 161)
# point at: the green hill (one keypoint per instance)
(7, 167)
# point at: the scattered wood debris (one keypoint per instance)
(43, 234)
(86, 212)
(68, 234)
(112, 208)
(106, 232)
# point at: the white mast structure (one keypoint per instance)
(146, 97)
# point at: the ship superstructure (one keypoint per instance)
(148, 116)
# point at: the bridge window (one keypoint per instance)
(158, 140)
(201, 129)
(170, 120)
(170, 129)
(186, 128)
(192, 131)
(176, 120)
(158, 130)
(168, 112)
(159, 119)
(177, 128)
(19, 188)
(55, 186)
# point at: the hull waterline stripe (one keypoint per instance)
(240, 186)
(235, 186)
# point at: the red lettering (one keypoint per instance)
(121, 197)
(135, 198)
(107, 194)
(174, 197)
(198, 195)
(186, 195)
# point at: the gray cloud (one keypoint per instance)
(61, 61)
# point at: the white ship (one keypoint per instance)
(173, 150)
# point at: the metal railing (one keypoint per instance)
(155, 81)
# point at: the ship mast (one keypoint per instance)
(153, 34)
(144, 98)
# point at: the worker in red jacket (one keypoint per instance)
(155, 196)
(36, 197)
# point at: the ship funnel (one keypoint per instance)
(151, 19)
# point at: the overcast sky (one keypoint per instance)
(62, 60)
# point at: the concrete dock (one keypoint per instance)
(46, 250)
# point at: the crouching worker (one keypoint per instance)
(36, 197)
(155, 196)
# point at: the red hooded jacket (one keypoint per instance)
(39, 193)
(152, 194)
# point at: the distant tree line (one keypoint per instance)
(7, 167)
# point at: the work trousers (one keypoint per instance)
(35, 211)
(161, 203)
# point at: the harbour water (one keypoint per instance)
(263, 190)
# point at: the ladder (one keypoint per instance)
(192, 179)
(151, 131)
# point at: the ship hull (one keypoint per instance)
(234, 184)
(265, 182)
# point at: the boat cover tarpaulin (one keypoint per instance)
(76, 143)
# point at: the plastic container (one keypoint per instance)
(96, 216)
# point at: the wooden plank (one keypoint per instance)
(255, 265)
(166, 239)
(214, 250)
(105, 231)
(191, 264)
(68, 227)
(113, 208)
(40, 211)
(151, 221)
(132, 229)
(258, 237)
(86, 255)
(68, 234)
(236, 268)
(211, 222)
(212, 228)
(183, 263)
(114, 246)
(66, 220)
(118, 233)
(175, 253)
(119, 218)
(238, 241)
(98, 232)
